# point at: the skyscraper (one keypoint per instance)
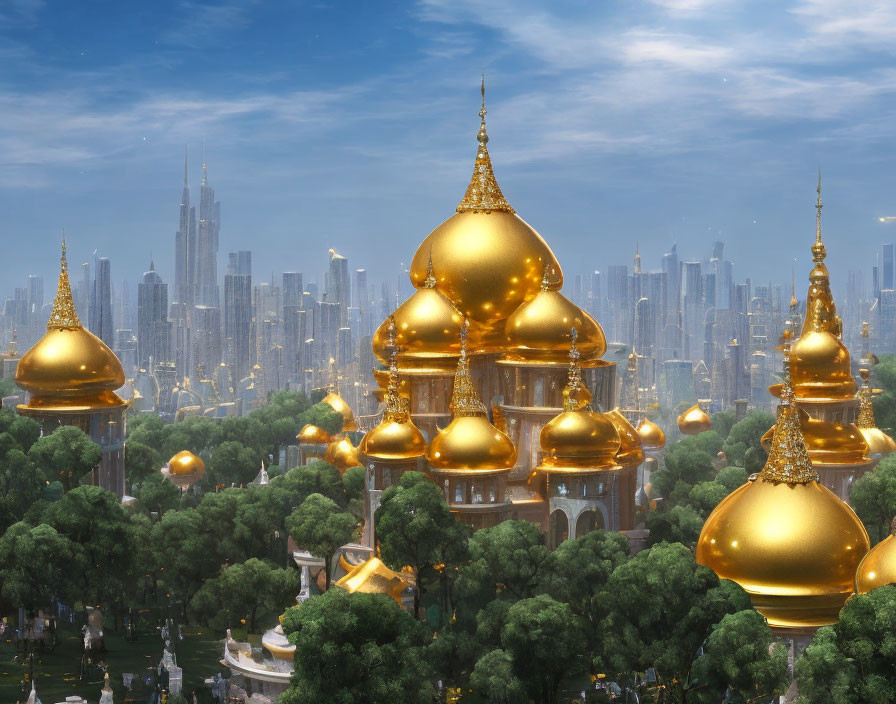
(338, 286)
(185, 247)
(238, 313)
(153, 328)
(100, 318)
(207, 244)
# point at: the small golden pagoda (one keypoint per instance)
(878, 568)
(790, 542)
(694, 421)
(71, 376)
(879, 443)
(652, 435)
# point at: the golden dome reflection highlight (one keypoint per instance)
(694, 421)
(878, 568)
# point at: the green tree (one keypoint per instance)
(358, 648)
(853, 661)
(873, 497)
(140, 462)
(316, 478)
(679, 524)
(158, 494)
(318, 526)
(414, 526)
(21, 485)
(147, 429)
(745, 435)
(233, 463)
(687, 462)
(35, 563)
(8, 388)
(24, 430)
(722, 422)
(705, 496)
(66, 454)
(662, 606)
(541, 642)
(242, 589)
(731, 477)
(323, 416)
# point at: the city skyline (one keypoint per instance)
(288, 147)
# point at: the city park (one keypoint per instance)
(500, 617)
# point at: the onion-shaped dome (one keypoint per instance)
(786, 539)
(879, 443)
(630, 453)
(489, 260)
(313, 435)
(427, 330)
(342, 454)
(184, 469)
(821, 367)
(338, 404)
(580, 439)
(694, 421)
(469, 442)
(878, 567)
(828, 442)
(652, 435)
(69, 366)
(539, 330)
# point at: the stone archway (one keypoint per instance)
(559, 527)
(590, 519)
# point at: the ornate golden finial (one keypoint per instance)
(334, 378)
(397, 407)
(483, 194)
(794, 302)
(464, 400)
(575, 395)
(818, 250)
(64, 316)
(546, 277)
(788, 460)
(430, 280)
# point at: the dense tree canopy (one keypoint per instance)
(874, 499)
(66, 454)
(318, 526)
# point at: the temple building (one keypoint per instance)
(71, 377)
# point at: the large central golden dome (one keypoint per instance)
(69, 366)
(489, 259)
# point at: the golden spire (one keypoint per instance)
(430, 280)
(788, 460)
(794, 302)
(574, 379)
(818, 251)
(866, 410)
(396, 405)
(483, 194)
(64, 316)
(334, 377)
(821, 313)
(464, 401)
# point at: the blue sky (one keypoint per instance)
(353, 125)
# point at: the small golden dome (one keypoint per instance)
(393, 440)
(579, 438)
(185, 462)
(879, 443)
(630, 453)
(878, 568)
(69, 366)
(313, 435)
(342, 454)
(694, 421)
(336, 402)
(652, 435)
(488, 259)
(539, 330)
(820, 367)
(828, 442)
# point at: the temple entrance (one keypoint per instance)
(588, 521)
(559, 527)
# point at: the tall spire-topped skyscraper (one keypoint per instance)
(185, 247)
(207, 244)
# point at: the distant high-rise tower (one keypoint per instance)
(207, 243)
(338, 286)
(100, 318)
(185, 248)
(153, 328)
(238, 313)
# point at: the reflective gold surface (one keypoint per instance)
(793, 548)
(373, 577)
(832, 442)
(879, 566)
(393, 440)
(652, 435)
(312, 435)
(185, 462)
(580, 438)
(338, 404)
(342, 454)
(471, 442)
(879, 443)
(630, 453)
(427, 332)
(694, 421)
(486, 263)
(820, 367)
(539, 330)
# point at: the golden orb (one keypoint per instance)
(185, 462)
(540, 330)
(579, 438)
(652, 435)
(70, 367)
(820, 367)
(878, 568)
(342, 454)
(471, 442)
(793, 548)
(879, 443)
(393, 440)
(313, 435)
(631, 452)
(427, 332)
(694, 421)
(338, 404)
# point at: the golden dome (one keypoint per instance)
(786, 539)
(427, 331)
(821, 367)
(336, 402)
(69, 366)
(652, 435)
(630, 453)
(185, 462)
(879, 443)
(313, 435)
(396, 437)
(488, 259)
(469, 442)
(694, 421)
(579, 438)
(539, 330)
(828, 442)
(878, 568)
(342, 454)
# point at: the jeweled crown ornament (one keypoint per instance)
(575, 395)
(63, 316)
(483, 194)
(397, 407)
(821, 312)
(464, 400)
